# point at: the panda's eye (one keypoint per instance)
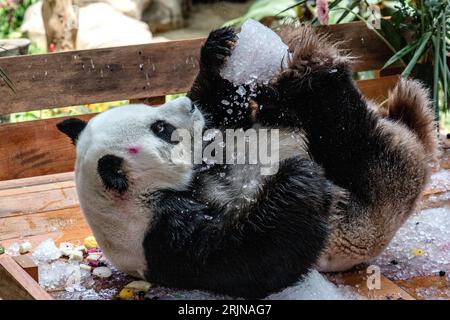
(164, 131)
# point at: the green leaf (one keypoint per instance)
(266, 8)
(391, 34)
(423, 42)
(299, 3)
(351, 7)
(437, 52)
(400, 54)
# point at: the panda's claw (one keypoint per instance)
(218, 47)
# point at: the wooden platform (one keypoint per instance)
(45, 207)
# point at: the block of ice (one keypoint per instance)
(258, 55)
(13, 249)
(59, 275)
(46, 251)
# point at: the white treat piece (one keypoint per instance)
(102, 272)
(80, 248)
(258, 55)
(25, 247)
(93, 257)
(139, 285)
(85, 267)
(46, 251)
(76, 256)
(66, 248)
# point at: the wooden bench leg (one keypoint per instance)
(17, 284)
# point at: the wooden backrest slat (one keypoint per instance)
(136, 72)
(36, 148)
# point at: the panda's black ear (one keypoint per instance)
(72, 127)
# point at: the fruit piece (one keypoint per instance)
(66, 248)
(126, 294)
(140, 285)
(90, 242)
(79, 248)
(93, 257)
(85, 267)
(76, 256)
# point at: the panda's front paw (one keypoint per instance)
(217, 48)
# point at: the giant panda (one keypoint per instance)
(379, 156)
(348, 176)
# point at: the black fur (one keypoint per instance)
(210, 89)
(193, 246)
(110, 169)
(72, 128)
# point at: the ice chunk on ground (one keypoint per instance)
(61, 275)
(46, 251)
(258, 55)
(316, 287)
(13, 249)
(421, 246)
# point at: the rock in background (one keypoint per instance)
(100, 24)
(107, 23)
(131, 8)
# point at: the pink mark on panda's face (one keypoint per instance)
(134, 150)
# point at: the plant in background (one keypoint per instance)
(419, 30)
(11, 17)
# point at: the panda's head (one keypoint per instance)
(128, 150)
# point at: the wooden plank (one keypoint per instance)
(37, 180)
(27, 264)
(73, 235)
(17, 284)
(35, 148)
(432, 287)
(58, 222)
(370, 51)
(38, 199)
(154, 101)
(358, 280)
(377, 89)
(139, 71)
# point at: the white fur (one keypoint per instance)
(119, 223)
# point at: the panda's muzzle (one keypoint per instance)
(110, 170)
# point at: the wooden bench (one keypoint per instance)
(37, 191)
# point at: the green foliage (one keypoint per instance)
(11, 16)
(267, 8)
(64, 112)
(423, 27)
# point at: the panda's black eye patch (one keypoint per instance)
(163, 130)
